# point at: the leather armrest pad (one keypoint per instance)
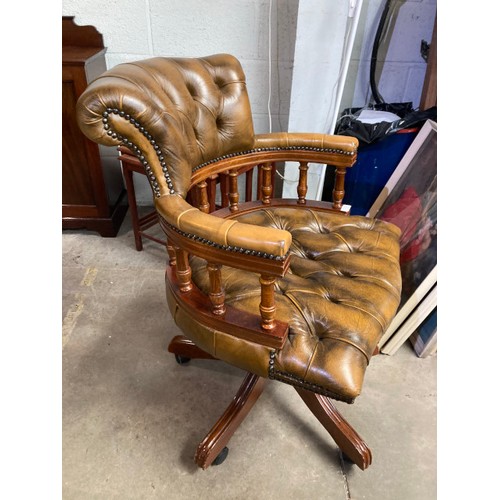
(188, 219)
(323, 141)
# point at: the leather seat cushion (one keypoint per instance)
(340, 294)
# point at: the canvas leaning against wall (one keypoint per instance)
(409, 200)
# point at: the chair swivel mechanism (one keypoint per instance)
(292, 290)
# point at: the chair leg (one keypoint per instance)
(347, 439)
(185, 349)
(220, 434)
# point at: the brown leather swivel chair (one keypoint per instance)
(291, 290)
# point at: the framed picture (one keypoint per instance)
(424, 339)
(412, 323)
(409, 200)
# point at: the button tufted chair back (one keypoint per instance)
(286, 289)
(184, 112)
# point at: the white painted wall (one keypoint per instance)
(400, 65)
(321, 33)
(307, 40)
(137, 29)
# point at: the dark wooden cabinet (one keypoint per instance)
(92, 198)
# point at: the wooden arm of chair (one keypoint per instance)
(223, 241)
(239, 323)
(230, 243)
(244, 246)
(340, 152)
(303, 148)
(339, 144)
(263, 329)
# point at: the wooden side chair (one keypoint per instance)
(287, 289)
(140, 224)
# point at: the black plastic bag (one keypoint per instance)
(369, 133)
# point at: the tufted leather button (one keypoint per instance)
(182, 114)
(342, 290)
(179, 102)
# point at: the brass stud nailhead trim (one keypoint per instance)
(290, 379)
(228, 248)
(148, 136)
(140, 154)
(284, 148)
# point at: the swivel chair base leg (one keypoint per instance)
(212, 447)
(220, 434)
(182, 347)
(347, 439)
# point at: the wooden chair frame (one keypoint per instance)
(263, 328)
(171, 132)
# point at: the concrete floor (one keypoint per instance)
(132, 417)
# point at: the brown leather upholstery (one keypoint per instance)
(176, 211)
(339, 296)
(193, 109)
(291, 139)
(180, 116)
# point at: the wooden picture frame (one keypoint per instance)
(409, 200)
(424, 339)
(412, 322)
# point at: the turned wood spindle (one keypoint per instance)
(338, 190)
(234, 195)
(216, 292)
(267, 304)
(171, 255)
(267, 187)
(212, 188)
(203, 203)
(302, 186)
(183, 270)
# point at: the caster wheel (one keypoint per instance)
(221, 456)
(182, 360)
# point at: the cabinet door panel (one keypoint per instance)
(77, 185)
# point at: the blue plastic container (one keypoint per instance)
(375, 164)
(373, 168)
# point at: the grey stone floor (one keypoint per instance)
(132, 417)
